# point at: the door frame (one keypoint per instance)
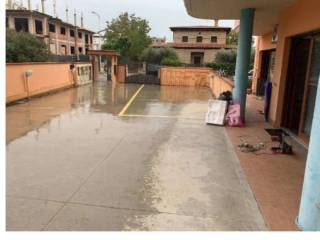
(311, 36)
(301, 133)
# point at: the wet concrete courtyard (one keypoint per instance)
(74, 163)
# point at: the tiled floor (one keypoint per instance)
(276, 180)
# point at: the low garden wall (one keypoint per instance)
(193, 76)
(25, 80)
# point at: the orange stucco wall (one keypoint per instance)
(302, 17)
(45, 77)
(190, 76)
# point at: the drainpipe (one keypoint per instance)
(309, 213)
(243, 58)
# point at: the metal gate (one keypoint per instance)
(146, 74)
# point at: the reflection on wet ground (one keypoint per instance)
(74, 164)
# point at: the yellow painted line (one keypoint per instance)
(125, 108)
(160, 116)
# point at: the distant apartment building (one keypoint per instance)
(62, 38)
(197, 45)
(98, 39)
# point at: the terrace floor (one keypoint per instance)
(74, 164)
(276, 180)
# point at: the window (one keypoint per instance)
(52, 27)
(63, 50)
(79, 34)
(21, 24)
(185, 39)
(214, 39)
(71, 33)
(80, 50)
(38, 24)
(72, 50)
(91, 39)
(63, 30)
(199, 39)
(86, 37)
(7, 23)
(87, 49)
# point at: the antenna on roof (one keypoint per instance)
(82, 19)
(67, 14)
(9, 4)
(42, 6)
(75, 17)
(54, 8)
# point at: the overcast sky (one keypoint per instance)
(161, 14)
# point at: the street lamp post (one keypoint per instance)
(99, 37)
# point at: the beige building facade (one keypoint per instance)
(197, 45)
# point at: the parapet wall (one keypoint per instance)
(194, 76)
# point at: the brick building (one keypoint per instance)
(62, 38)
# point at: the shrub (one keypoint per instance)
(225, 61)
(157, 55)
(226, 56)
(227, 68)
(24, 47)
(171, 62)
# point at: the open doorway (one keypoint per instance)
(301, 85)
(197, 58)
(266, 72)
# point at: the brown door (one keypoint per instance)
(197, 58)
(295, 83)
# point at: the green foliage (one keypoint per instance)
(157, 55)
(24, 47)
(127, 34)
(232, 37)
(225, 61)
(228, 68)
(175, 62)
(226, 56)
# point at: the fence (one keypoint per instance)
(25, 80)
(191, 76)
(69, 58)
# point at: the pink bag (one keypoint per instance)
(233, 116)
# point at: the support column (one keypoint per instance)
(309, 213)
(243, 58)
(114, 63)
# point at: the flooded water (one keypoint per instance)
(74, 164)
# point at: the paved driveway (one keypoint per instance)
(74, 163)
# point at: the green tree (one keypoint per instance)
(232, 37)
(225, 60)
(156, 55)
(24, 47)
(127, 34)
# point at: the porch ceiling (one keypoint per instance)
(266, 15)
